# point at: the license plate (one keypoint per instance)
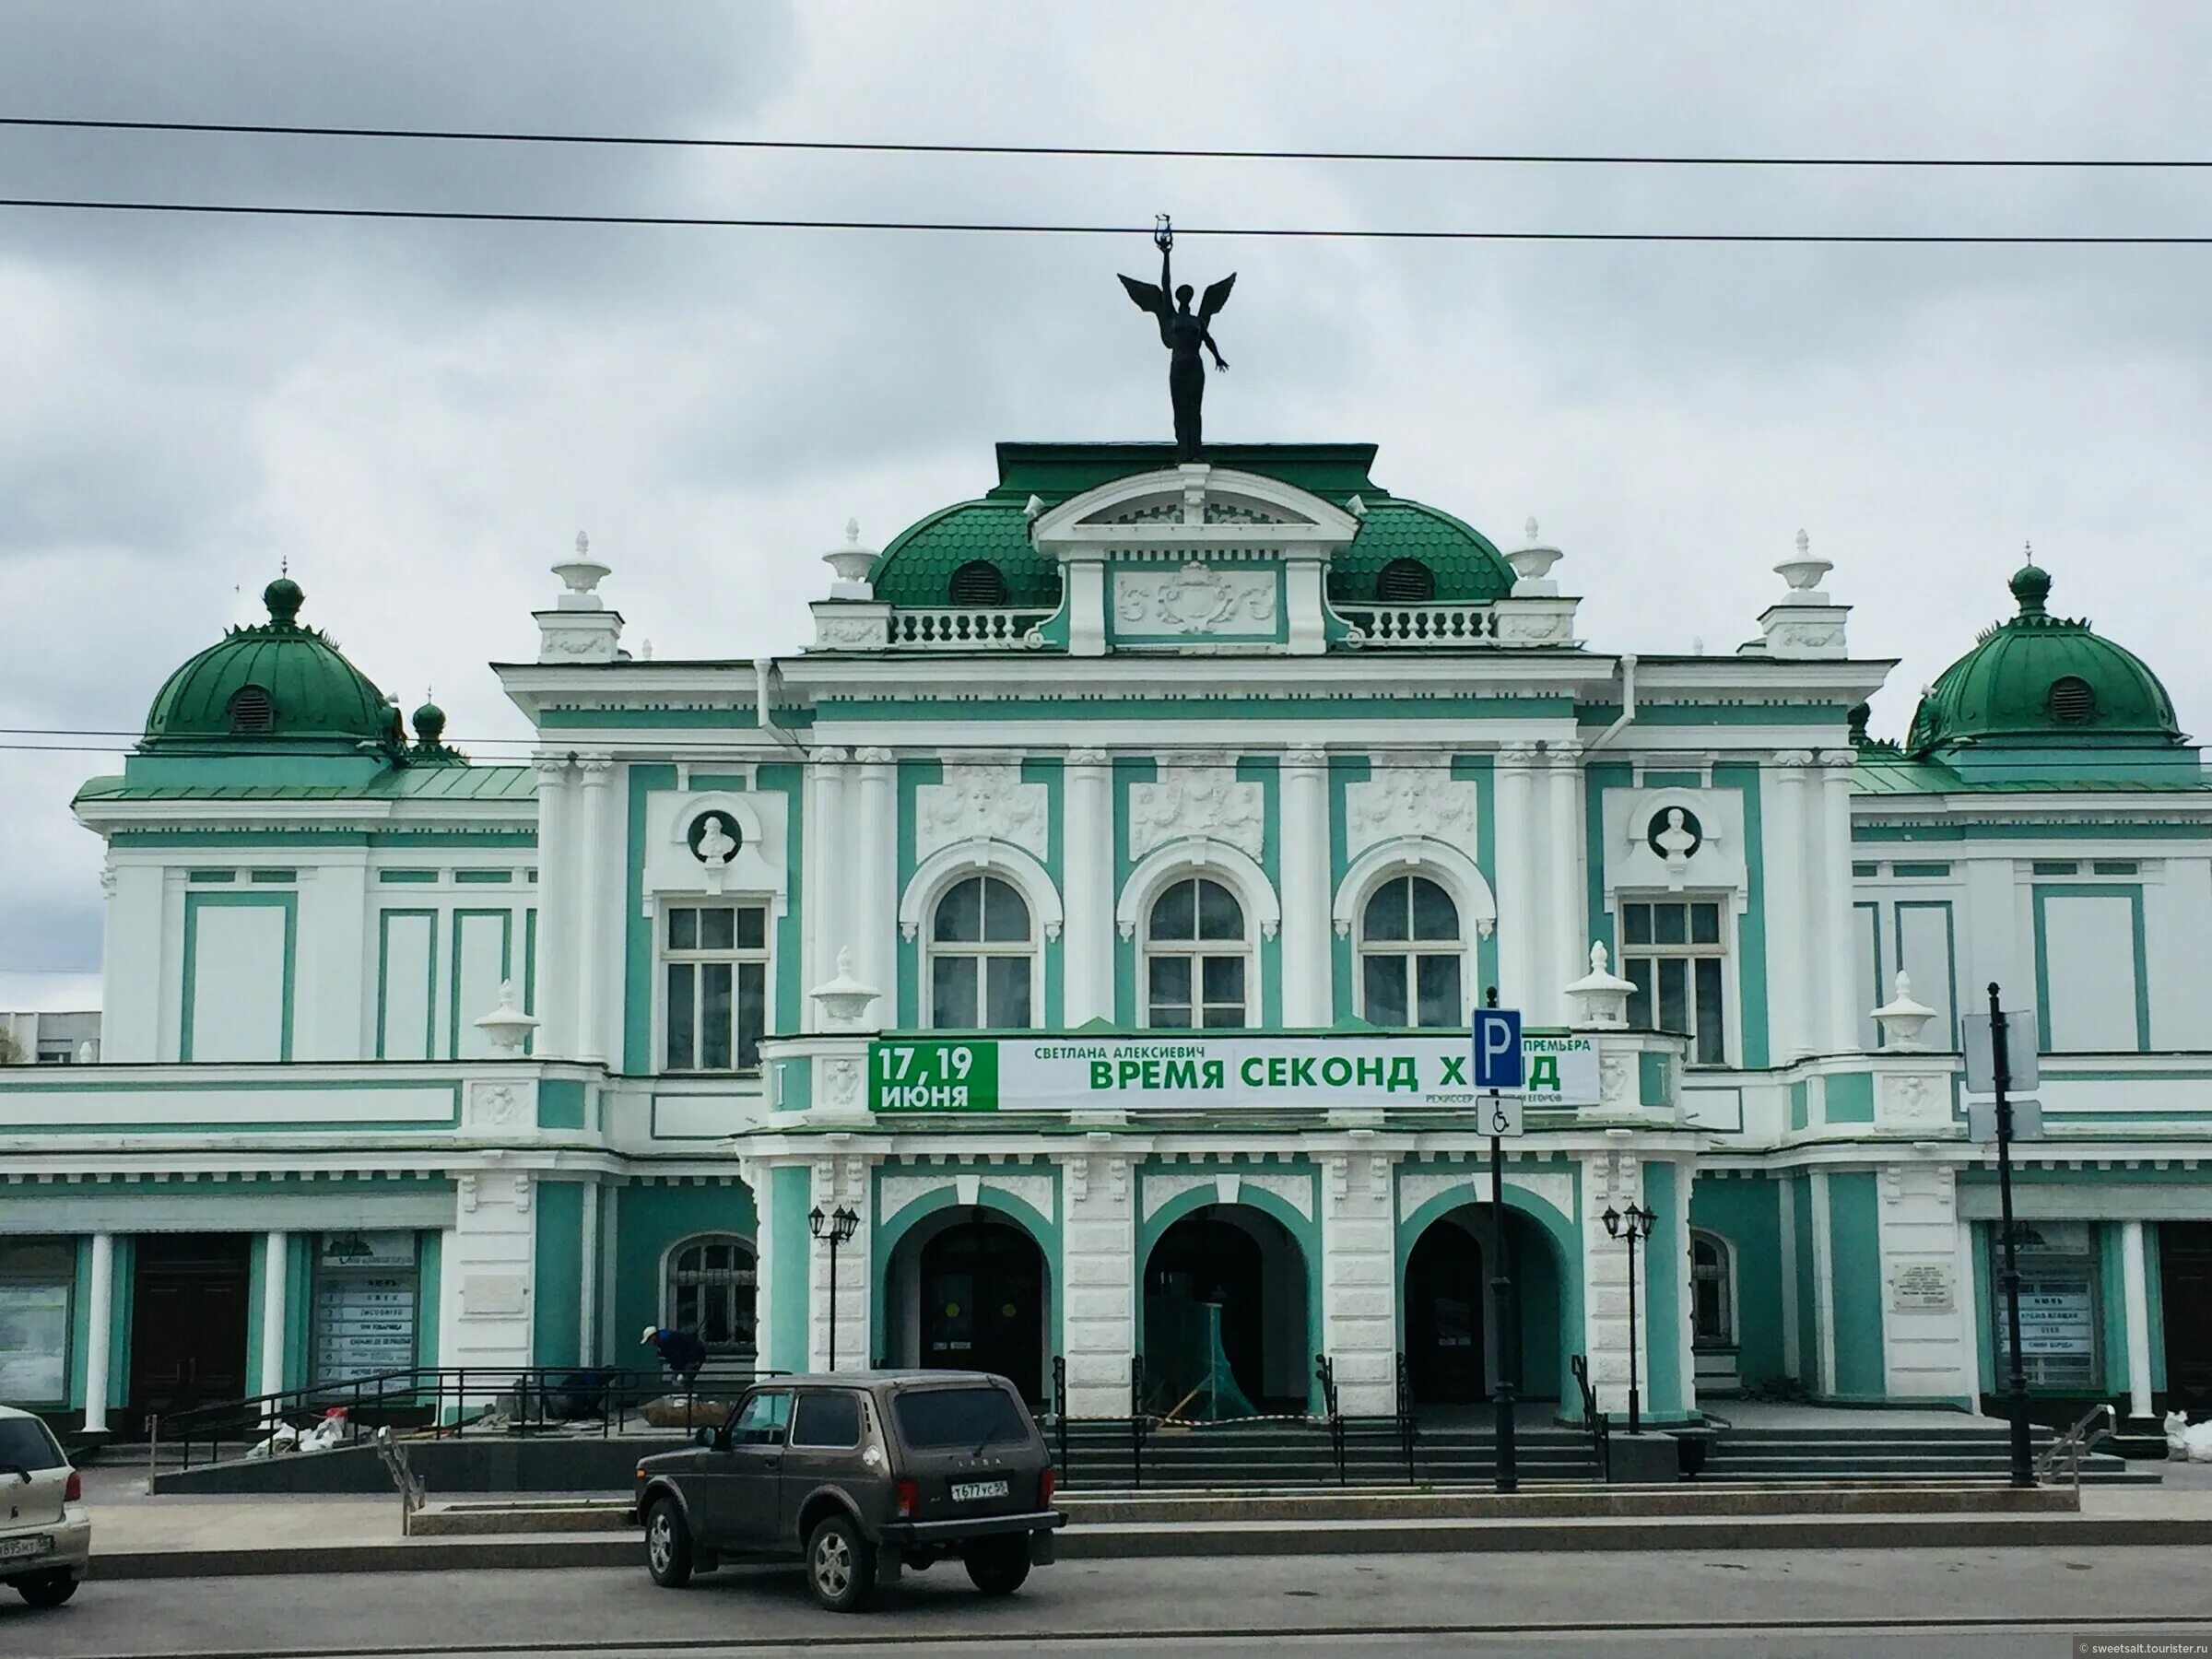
(43, 1543)
(972, 1491)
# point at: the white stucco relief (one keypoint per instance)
(1406, 800)
(1189, 801)
(982, 799)
(1194, 599)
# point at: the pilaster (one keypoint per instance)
(1568, 932)
(1520, 971)
(1613, 1179)
(487, 1263)
(1925, 1353)
(592, 936)
(1359, 1289)
(841, 1178)
(873, 925)
(824, 878)
(2134, 1294)
(1099, 1322)
(1086, 887)
(1305, 895)
(558, 886)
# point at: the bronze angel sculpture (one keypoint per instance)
(1182, 334)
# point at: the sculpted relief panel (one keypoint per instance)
(1196, 800)
(980, 799)
(1409, 800)
(1196, 599)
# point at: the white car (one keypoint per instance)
(45, 1535)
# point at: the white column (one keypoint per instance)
(1569, 928)
(1519, 970)
(1305, 898)
(874, 923)
(2135, 1290)
(274, 1282)
(1098, 1307)
(98, 1318)
(592, 941)
(1614, 1180)
(1833, 924)
(1359, 1272)
(1790, 994)
(1824, 1286)
(556, 908)
(1087, 884)
(826, 873)
(841, 1181)
(587, 1279)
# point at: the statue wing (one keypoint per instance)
(1148, 297)
(1216, 296)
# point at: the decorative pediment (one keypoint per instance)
(1189, 509)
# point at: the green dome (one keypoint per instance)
(2039, 679)
(276, 684)
(949, 557)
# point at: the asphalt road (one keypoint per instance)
(1982, 1604)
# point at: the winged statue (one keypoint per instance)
(1183, 335)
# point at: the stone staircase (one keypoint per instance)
(1285, 1455)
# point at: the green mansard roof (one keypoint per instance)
(916, 568)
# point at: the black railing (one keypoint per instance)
(1136, 1419)
(1325, 1371)
(1060, 1413)
(1601, 1432)
(439, 1401)
(1405, 1419)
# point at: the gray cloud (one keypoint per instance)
(420, 416)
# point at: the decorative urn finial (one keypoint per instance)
(507, 1026)
(845, 1001)
(1601, 997)
(1804, 573)
(1902, 1018)
(851, 564)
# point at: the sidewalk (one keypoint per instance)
(136, 1536)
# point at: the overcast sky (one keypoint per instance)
(420, 417)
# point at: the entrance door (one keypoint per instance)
(2185, 1278)
(1443, 1317)
(982, 1303)
(188, 1321)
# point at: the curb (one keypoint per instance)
(1129, 1542)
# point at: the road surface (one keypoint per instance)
(1978, 1604)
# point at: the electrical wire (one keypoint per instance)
(1116, 152)
(991, 227)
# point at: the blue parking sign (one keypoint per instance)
(1498, 1062)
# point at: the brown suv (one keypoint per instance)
(858, 1474)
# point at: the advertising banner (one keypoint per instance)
(1198, 1071)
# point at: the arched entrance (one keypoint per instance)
(971, 1294)
(1453, 1346)
(1445, 1351)
(1225, 1317)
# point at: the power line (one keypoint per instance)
(989, 227)
(1119, 152)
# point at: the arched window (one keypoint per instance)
(1196, 957)
(1712, 1288)
(709, 1292)
(982, 958)
(1406, 581)
(1410, 953)
(978, 581)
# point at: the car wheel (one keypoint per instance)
(667, 1545)
(841, 1565)
(998, 1566)
(48, 1589)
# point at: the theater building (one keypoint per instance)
(1094, 910)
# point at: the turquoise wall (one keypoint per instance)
(1808, 1307)
(1746, 1214)
(556, 1295)
(789, 1188)
(1666, 1277)
(648, 1220)
(1855, 1263)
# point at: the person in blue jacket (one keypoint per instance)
(680, 1351)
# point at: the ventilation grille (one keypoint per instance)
(978, 581)
(1406, 581)
(2072, 701)
(249, 710)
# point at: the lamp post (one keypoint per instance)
(1633, 1226)
(837, 1227)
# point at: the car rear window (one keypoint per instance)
(26, 1444)
(929, 1418)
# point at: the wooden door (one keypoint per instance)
(188, 1321)
(2185, 1298)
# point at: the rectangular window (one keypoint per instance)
(2088, 954)
(2056, 866)
(1923, 951)
(715, 987)
(365, 1300)
(2115, 867)
(36, 1279)
(1672, 952)
(1866, 869)
(1920, 871)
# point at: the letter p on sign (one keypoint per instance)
(1498, 1062)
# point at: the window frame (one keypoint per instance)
(1411, 948)
(1733, 1339)
(1732, 1017)
(665, 956)
(977, 951)
(1197, 950)
(670, 1260)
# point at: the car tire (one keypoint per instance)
(841, 1565)
(998, 1566)
(48, 1589)
(667, 1545)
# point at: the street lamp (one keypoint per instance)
(1636, 1224)
(836, 1226)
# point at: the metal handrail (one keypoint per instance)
(1324, 1369)
(1601, 1430)
(1405, 1415)
(1060, 1412)
(1136, 1419)
(2074, 1445)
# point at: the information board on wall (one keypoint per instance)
(366, 1287)
(1194, 1071)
